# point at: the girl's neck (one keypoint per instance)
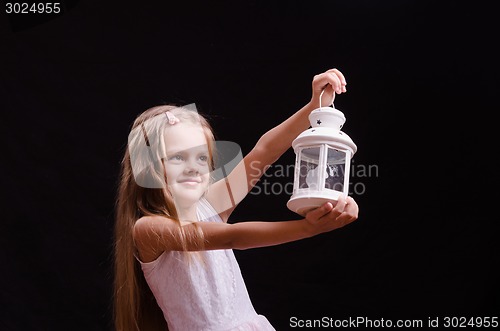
(188, 214)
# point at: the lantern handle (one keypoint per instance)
(321, 95)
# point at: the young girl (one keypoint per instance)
(174, 264)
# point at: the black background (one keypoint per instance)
(421, 79)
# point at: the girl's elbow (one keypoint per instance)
(266, 154)
(240, 246)
(225, 239)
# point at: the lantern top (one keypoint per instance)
(326, 123)
(327, 117)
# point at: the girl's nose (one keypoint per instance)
(191, 171)
(191, 168)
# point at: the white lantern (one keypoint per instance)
(323, 160)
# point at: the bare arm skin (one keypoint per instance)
(153, 234)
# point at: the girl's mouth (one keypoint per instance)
(189, 181)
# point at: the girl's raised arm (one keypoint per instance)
(225, 194)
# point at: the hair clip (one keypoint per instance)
(172, 119)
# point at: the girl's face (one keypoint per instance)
(187, 163)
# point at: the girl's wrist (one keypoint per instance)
(311, 105)
(309, 229)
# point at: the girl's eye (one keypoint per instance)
(175, 158)
(203, 158)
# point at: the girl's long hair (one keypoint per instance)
(142, 191)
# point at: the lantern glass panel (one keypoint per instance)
(308, 168)
(335, 169)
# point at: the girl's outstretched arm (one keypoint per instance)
(153, 235)
(226, 194)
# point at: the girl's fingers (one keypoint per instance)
(319, 212)
(351, 206)
(340, 206)
(344, 212)
(334, 80)
(332, 77)
(320, 82)
(350, 212)
(340, 75)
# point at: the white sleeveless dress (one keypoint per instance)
(203, 294)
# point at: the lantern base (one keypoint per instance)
(303, 203)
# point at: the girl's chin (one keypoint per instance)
(187, 198)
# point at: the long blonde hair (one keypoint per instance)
(135, 308)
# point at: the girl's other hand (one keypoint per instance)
(332, 81)
(327, 218)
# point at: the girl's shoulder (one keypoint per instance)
(146, 232)
(151, 223)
